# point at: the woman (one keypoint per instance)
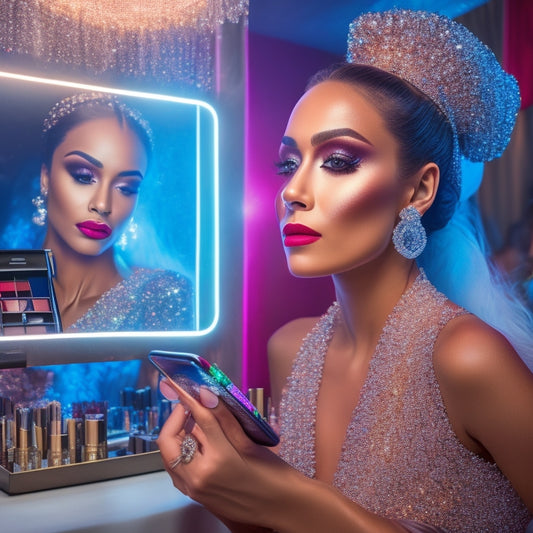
(96, 154)
(400, 410)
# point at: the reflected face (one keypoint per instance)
(93, 185)
(342, 197)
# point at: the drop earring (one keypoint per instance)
(39, 216)
(409, 236)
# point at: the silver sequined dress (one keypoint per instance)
(400, 458)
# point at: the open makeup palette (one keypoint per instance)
(27, 299)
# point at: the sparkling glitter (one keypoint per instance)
(149, 300)
(71, 104)
(164, 40)
(445, 61)
(401, 458)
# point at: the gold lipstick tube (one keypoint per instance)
(7, 444)
(57, 441)
(22, 448)
(257, 398)
(40, 431)
(95, 446)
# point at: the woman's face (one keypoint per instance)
(343, 194)
(93, 184)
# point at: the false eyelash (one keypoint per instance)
(350, 164)
(286, 167)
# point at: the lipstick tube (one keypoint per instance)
(57, 441)
(22, 448)
(75, 428)
(40, 431)
(95, 446)
(7, 444)
(257, 398)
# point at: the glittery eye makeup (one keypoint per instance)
(339, 151)
(289, 157)
(343, 156)
(80, 173)
(87, 171)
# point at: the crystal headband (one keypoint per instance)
(70, 104)
(450, 65)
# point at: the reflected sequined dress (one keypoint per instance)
(400, 458)
(148, 300)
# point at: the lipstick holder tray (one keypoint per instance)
(79, 473)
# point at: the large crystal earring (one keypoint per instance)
(39, 216)
(409, 236)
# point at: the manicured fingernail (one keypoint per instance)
(167, 391)
(208, 398)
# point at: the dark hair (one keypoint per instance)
(421, 129)
(101, 106)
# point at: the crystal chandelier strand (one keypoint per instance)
(166, 40)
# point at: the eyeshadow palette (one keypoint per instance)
(27, 299)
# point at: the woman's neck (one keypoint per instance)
(367, 295)
(80, 280)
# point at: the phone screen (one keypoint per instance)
(191, 371)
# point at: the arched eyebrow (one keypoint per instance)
(99, 164)
(323, 136)
(89, 158)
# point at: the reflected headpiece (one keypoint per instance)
(71, 104)
(451, 66)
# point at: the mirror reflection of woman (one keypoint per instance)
(96, 156)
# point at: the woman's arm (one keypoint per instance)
(249, 486)
(488, 393)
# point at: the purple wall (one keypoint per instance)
(277, 74)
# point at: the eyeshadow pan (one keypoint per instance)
(36, 330)
(41, 304)
(23, 288)
(14, 330)
(7, 286)
(14, 305)
(27, 297)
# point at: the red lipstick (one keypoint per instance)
(299, 235)
(94, 230)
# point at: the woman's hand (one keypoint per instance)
(229, 474)
(247, 485)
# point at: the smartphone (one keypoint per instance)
(191, 371)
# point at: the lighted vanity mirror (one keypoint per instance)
(164, 185)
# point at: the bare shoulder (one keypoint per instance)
(283, 346)
(469, 351)
(290, 335)
(486, 388)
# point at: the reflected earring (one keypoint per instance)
(39, 216)
(130, 232)
(409, 236)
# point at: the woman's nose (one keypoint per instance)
(296, 195)
(101, 201)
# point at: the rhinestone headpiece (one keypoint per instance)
(451, 66)
(70, 104)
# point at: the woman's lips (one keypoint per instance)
(299, 235)
(94, 230)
